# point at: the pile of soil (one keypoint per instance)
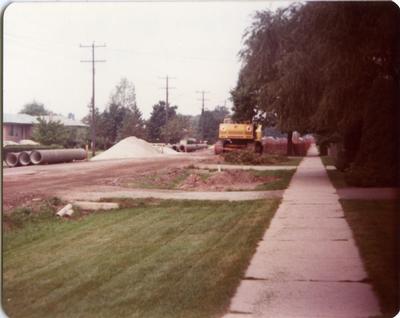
(132, 147)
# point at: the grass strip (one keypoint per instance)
(337, 178)
(281, 183)
(152, 258)
(375, 225)
(327, 161)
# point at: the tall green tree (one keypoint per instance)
(124, 94)
(50, 132)
(210, 123)
(122, 117)
(112, 120)
(132, 125)
(176, 129)
(158, 119)
(316, 65)
(102, 140)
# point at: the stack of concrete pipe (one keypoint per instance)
(15, 159)
(25, 158)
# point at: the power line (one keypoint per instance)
(93, 46)
(167, 88)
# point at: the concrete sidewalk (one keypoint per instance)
(307, 264)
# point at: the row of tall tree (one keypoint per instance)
(331, 68)
(122, 118)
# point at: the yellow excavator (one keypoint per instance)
(233, 136)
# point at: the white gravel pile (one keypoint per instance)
(130, 147)
(167, 150)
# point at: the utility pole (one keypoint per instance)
(93, 46)
(203, 93)
(167, 88)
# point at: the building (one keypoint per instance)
(17, 127)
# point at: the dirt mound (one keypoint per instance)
(130, 147)
(167, 150)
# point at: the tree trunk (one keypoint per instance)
(290, 143)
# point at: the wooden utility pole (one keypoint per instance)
(167, 88)
(93, 46)
(203, 93)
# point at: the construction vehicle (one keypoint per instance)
(233, 136)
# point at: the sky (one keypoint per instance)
(195, 43)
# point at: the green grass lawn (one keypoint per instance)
(151, 258)
(290, 161)
(284, 177)
(375, 225)
(336, 176)
(337, 179)
(327, 161)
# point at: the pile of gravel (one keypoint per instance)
(131, 147)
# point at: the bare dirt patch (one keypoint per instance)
(197, 180)
(43, 182)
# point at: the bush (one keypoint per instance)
(45, 211)
(370, 176)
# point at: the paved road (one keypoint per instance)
(307, 264)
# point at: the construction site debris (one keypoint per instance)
(65, 210)
(88, 205)
(69, 212)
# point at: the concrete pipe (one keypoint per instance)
(175, 147)
(24, 158)
(12, 159)
(57, 155)
(190, 148)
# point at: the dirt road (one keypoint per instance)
(24, 184)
